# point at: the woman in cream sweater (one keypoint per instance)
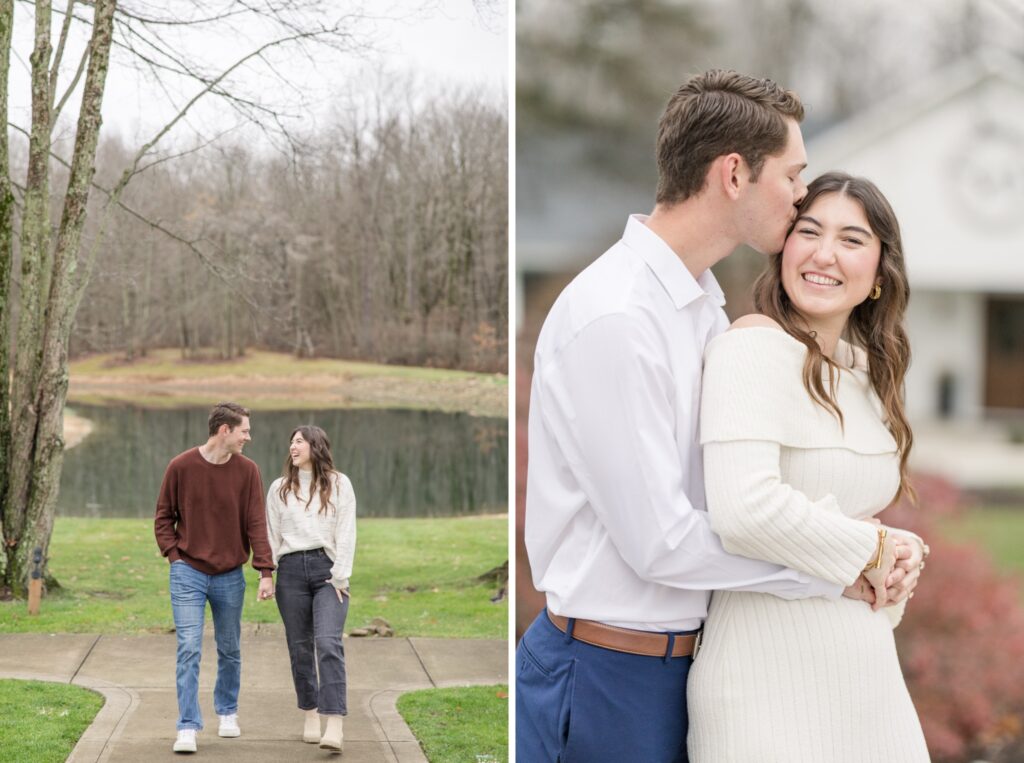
(311, 521)
(805, 440)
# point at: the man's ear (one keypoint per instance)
(731, 174)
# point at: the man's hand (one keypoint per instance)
(266, 590)
(861, 590)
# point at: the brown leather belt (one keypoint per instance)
(624, 639)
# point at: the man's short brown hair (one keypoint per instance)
(226, 413)
(717, 113)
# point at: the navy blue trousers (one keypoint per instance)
(577, 703)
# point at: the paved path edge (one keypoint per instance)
(120, 702)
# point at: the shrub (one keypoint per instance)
(961, 642)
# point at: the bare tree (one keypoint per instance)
(55, 261)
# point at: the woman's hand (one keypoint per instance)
(910, 554)
(342, 592)
(879, 576)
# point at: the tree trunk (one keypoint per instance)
(32, 504)
(6, 260)
(35, 256)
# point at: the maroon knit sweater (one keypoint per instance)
(210, 514)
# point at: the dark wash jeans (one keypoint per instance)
(313, 622)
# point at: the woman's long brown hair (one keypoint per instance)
(323, 468)
(876, 325)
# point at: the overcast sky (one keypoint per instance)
(447, 45)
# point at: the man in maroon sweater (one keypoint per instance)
(209, 513)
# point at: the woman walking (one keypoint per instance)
(311, 521)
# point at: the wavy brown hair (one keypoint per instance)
(875, 325)
(323, 468)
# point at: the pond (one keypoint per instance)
(402, 463)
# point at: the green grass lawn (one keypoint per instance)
(41, 721)
(459, 725)
(418, 574)
(999, 530)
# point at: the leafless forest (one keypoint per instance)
(383, 237)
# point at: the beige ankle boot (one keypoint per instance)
(332, 736)
(311, 731)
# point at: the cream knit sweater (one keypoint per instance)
(293, 527)
(814, 679)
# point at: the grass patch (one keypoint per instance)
(278, 381)
(418, 574)
(460, 725)
(41, 721)
(168, 363)
(999, 530)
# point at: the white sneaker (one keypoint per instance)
(186, 741)
(229, 726)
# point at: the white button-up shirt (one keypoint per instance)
(616, 527)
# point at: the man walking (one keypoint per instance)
(209, 514)
(616, 531)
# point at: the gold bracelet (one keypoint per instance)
(876, 563)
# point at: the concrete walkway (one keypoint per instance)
(136, 675)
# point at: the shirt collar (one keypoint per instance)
(681, 286)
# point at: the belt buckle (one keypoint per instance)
(697, 642)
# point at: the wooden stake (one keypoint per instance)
(35, 594)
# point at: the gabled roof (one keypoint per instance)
(949, 156)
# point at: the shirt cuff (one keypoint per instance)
(822, 588)
(173, 555)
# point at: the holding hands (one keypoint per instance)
(893, 573)
(266, 589)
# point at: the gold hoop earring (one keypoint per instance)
(877, 291)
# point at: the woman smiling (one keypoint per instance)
(311, 521)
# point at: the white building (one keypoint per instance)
(950, 158)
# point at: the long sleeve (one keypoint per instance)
(167, 515)
(759, 516)
(256, 526)
(273, 505)
(344, 533)
(609, 404)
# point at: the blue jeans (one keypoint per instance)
(578, 703)
(190, 590)
(313, 622)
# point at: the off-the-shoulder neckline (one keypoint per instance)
(797, 344)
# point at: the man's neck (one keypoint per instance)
(215, 452)
(685, 228)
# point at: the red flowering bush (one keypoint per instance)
(961, 642)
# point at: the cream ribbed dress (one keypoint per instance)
(813, 680)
